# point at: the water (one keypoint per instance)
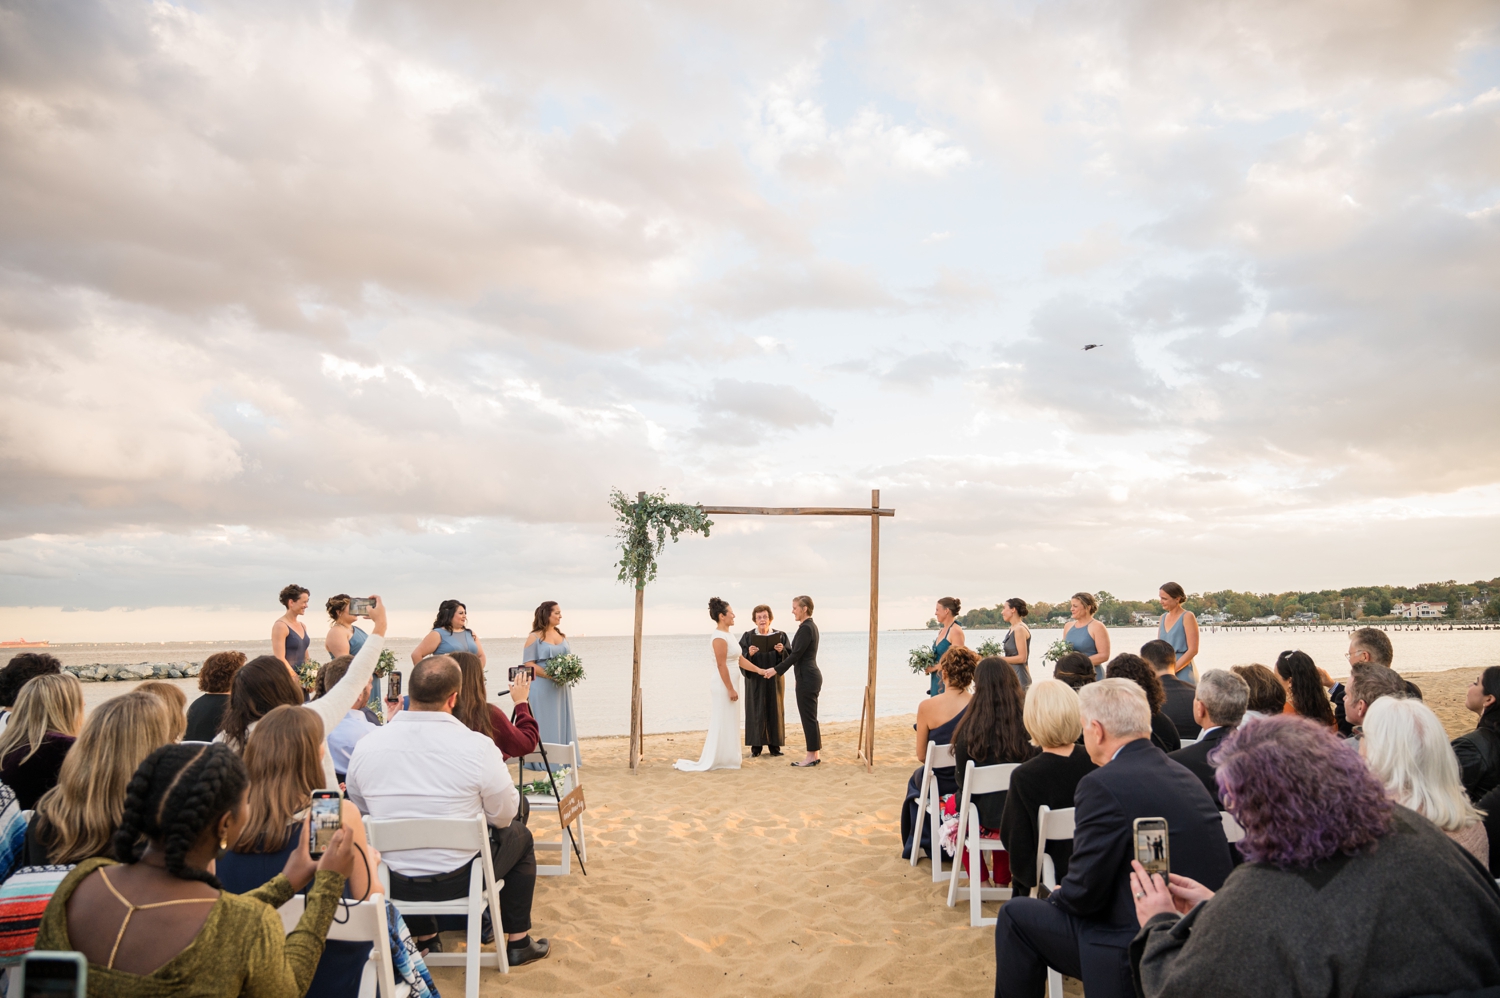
(676, 669)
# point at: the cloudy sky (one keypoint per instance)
(384, 296)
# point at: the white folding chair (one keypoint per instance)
(930, 809)
(977, 780)
(1051, 826)
(565, 754)
(1232, 830)
(467, 834)
(364, 922)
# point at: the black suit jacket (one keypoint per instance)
(804, 654)
(1195, 758)
(1179, 706)
(1141, 782)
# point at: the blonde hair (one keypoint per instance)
(284, 767)
(79, 816)
(1051, 714)
(1407, 749)
(51, 702)
(1118, 704)
(175, 700)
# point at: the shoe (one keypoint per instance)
(807, 765)
(755, 753)
(432, 945)
(536, 950)
(776, 753)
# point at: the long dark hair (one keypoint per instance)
(444, 619)
(991, 728)
(472, 707)
(174, 795)
(1137, 669)
(1308, 696)
(261, 685)
(1489, 683)
(541, 620)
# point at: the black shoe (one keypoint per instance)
(776, 752)
(755, 752)
(807, 765)
(430, 945)
(486, 929)
(534, 950)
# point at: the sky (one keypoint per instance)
(387, 297)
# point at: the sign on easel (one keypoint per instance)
(571, 806)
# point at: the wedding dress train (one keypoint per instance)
(721, 749)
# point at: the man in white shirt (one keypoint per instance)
(426, 764)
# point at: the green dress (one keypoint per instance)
(242, 948)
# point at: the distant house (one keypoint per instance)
(1274, 618)
(1213, 618)
(1419, 611)
(1304, 616)
(1144, 619)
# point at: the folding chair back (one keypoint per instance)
(977, 780)
(1232, 830)
(364, 922)
(559, 755)
(468, 834)
(930, 808)
(1051, 826)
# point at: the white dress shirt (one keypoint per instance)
(427, 764)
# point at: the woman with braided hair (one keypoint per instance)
(157, 923)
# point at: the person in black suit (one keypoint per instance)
(1218, 708)
(804, 658)
(1179, 705)
(1084, 928)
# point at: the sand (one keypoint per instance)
(766, 881)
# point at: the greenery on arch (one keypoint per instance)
(643, 529)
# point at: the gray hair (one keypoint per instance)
(1118, 704)
(1224, 695)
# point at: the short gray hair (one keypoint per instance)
(1118, 704)
(1224, 695)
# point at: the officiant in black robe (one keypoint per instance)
(765, 720)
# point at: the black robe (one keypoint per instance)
(765, 717)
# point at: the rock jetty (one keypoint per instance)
(134, 672)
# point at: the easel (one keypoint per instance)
(866, 750)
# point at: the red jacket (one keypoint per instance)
(518, 738)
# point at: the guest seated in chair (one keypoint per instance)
(1051, 718)
(1267, 694)
(937, 718)
(1083, 928)
(1075, 669)
(1127, 666)
(1179, 705)
(1342, 892)
(1218, 707)
(426, 764)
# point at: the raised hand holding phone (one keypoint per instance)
(520, 683)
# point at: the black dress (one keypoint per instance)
(38, 774)
(1164, 733)
(204, 715)
(765, 717)
(1048, 779)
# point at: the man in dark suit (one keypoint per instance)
(1218, 707)
(1084, 928)
(804, 659)
(1179, 705)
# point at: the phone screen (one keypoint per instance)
(393, 690)
(516, 670)
(361, 606)
(326, 819)
(52, 976)
(1153, 846)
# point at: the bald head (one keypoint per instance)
(433, 681)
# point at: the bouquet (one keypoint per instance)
(386, 664)
(308, 672)
(921, 658)
(990, 647)
(564, 670)
(543, 786)
(1058, 649)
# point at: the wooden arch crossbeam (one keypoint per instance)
(866, 751)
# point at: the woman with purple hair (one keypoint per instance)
(1342, 890)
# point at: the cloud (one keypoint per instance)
(732, 407)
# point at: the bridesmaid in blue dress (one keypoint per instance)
(950, 635)
(289, 638)
(551, 705)
(1178, 627)
(1086, 634)
(450, 632)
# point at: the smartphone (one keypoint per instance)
(1153, 846)
(516, 670)
(361, 606)
(327, 818)
(52, 974)
(393, 686)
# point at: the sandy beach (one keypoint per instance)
(768, 881)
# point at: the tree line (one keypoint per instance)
(1474, 599)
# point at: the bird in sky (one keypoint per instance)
(1092, 346)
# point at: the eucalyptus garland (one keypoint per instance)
(645, 525)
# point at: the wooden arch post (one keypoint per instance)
(866, 751)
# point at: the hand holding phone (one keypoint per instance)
(361, 606)
(327, 818)
(1153, 846)
(520, 682)
(393, 687)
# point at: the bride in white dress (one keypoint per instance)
(721, 749)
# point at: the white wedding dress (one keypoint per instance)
(721, 749)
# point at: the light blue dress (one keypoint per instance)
(450, 641)
(1177, 638)
(1082, 640)
(551, 705)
